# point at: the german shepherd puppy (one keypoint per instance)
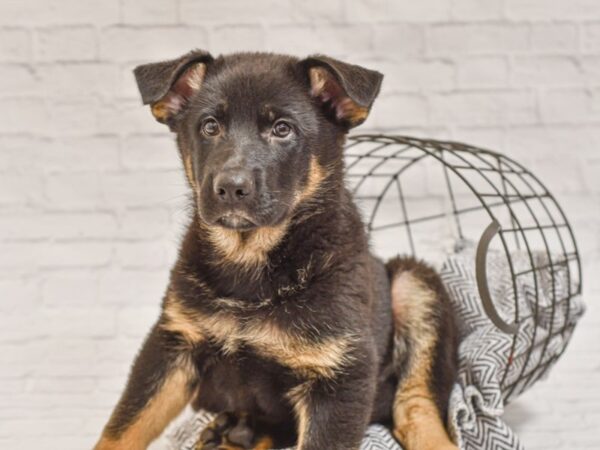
(276, 314)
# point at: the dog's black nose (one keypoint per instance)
(234, 186)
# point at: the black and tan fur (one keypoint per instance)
(276, 312)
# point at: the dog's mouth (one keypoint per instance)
(236, 222)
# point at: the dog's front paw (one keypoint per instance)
(230, 432)
(212, 437)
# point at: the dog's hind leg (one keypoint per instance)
(425, 347)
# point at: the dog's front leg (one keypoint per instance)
(334, 413)
(160, 385)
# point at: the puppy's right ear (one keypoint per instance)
(168, 85)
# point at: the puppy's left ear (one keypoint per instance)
(168, 85)
(346, 91)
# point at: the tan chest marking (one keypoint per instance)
(310, 359)
(251, 250)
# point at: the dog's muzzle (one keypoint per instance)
(234, 187)
(234, 190)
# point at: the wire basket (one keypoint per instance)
(424, 196)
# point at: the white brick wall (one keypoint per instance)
(92, 200)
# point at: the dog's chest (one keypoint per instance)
(244, 382)
(305, 352)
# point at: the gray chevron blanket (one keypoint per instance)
(485, 378)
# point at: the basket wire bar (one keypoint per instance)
(452, 199)
(484, 293)
(403, 203)
(503, 191)
(532, 377)
(564, 254)
(535, 273)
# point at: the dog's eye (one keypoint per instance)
(281, 129)
(210, 127)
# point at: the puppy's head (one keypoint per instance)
(256, 131)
